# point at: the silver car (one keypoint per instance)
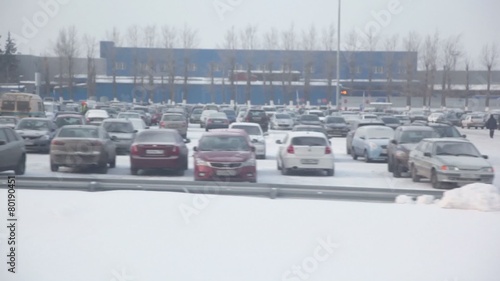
(124, 132)
(255, 133)
(449, 160)
(281, 121)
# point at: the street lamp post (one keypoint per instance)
(337, 96)
(19, 83)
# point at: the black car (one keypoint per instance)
(309, 119)
(37, 133)
(258, 116)
(12, 151)
(336, 126)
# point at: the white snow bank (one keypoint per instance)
(404, 199)
(425, 200)
(476, 196)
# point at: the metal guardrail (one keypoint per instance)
(272, 191)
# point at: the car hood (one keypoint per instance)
(463, 162)
(224, 156)
(122, 136)
(32, 133)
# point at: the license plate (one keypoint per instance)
(217, 121)
(225, 173)
(154, 152)
(469, 176)
(309, 161)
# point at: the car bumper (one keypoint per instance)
(37, 145)
(283, 126)
(463, 178)
(296, 163)
(217, 126)
(378, 154)
(76, 159)
(168, 163)
(260, 149)
(194, 121)
(247, 173)
(337, 132)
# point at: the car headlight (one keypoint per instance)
(249, 162)
(372, 145)
(201, 162)
(45, 137)
(488, 169)
(449, 168)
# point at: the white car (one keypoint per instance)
(281, 121)
(204, 116)
(305, 151)
(138, 124)
(96, 116)
(319, 113)
(255, 133)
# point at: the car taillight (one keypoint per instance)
(134, 149)
(162, 124)
(175, 150)
(290, 149)
(328, 150)
(57, 142)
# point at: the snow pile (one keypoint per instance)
(476, 196)
(404, 199)
(425, 200)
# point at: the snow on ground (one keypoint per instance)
(476, 196)
(135, 236)
(348, 171)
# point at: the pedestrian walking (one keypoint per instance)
(492, 125)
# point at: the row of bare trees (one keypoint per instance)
(430, 52)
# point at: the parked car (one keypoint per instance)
(216, 120)
(281, 121)
(310, 128)
(204, 115)
(309, 119)
(370, 142)
(226, 156)
(319, 113)
(138, 124)
(405, 139)
(96, 116)
(83, 146)
(175, 121)
(446, 130)
(305, 151)
(159, 149)
(368, 116)
(257, 136)
(231, 115)
(12, 149)
(474, 120)
(37, 133)
(354, 126)
(391, 121)
(195, 116)
(336, 126)
(258, 116)
(403, 119)
(123, 131)
(436, 117)
(69, 119)
(66, 112)
(448, 160)
(9, 121)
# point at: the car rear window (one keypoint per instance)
(173, 117)
(251, 130)
(150, 136)
(118, 127)
(78, 133)
(223, 143)
(309, 141)
(335, 120)
(256, 113)
(63, 121)
(309, 117)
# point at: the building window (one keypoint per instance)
(119, 66)
(378, 70)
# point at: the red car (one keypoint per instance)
(226, 155)
(159, 149)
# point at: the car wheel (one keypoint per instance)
(434, 180)
(330, 172)
(112, 164)
(21, 166)
(186, 163)
(184, 136)
(367, 158)
(54, 168)
(206, 129)
(353, 154)
(180, 172)
(396, 170)
(103, 168)
(414, 176)
(390, 168)
(278, 167)
(284, 171)
(134, 171)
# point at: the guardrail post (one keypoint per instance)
(274, 193)
(93, 186)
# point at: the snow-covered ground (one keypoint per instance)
(145, 236)
(348, 171)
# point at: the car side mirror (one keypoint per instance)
(485, 156)
(2, 142)
(464, 136)
(427, 154)
(195, 148)
(147, 127)
(187, 141)
(394, 142)
(278, 142)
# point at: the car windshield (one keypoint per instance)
(118, 127)
(282, 116)
(223, 143)
(37, 125)
(63, 121)
(416, 136)
(447, 131)
(230, 112)
(173, 117)
(379, 133)
(128, 115)
(254, 113)
(309, 118)
(78, 133)
(335, 120)
(390, 120)
(156, 137)
(456, 149)
(250, 130)
(197, 111)
(317, 113)
(309, 141)
(138, 124)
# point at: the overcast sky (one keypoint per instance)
(36, 29)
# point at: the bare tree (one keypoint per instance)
(489, 57)
(91, 47)
(149, 34)
(249, 42)
(430, 55)
(133, 35)
(189, 40)
(452, 50)
(115, 36)
(289, 38)
(468, 65)
(328, 38)
(270, 40)
(67, 47)
(228, 56)
(46, 75)
(309, 44)
(170, 41)
(328, 43)
(352, 44)
(370, 43)
(289, 44)
(411, 45)
(390, 46)
(309, 39)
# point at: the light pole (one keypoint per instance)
(337, 95)
(19, 83)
